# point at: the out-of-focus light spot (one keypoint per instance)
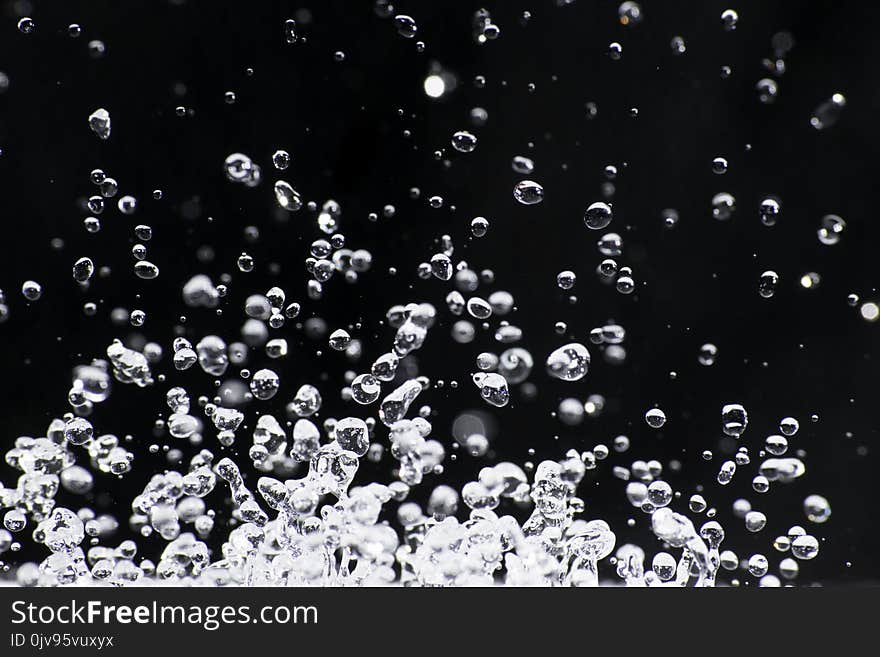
(870, 311)
(435, 86)
(810, 280)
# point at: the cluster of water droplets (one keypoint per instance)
(299, 512)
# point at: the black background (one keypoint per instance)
(802, 352)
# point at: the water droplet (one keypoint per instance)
(290, 35)
(99, 122)
(528, 192)
(767, 284)
(281, 159)
(723, 206)
(365, 389)
(464, 142)
(26, 25)
(707, 355)
(523, 165)
(734, 420)
(146, 270)
(615, 51)
(598, 216)
(769, 210)
(729, 19)
(655, 418)
(719, 166)
(287, 197)
(817, 509)
(31, 290)
(569, 362)
(83, 270)
(493, 388)
(805, 547)
(339, 340)
(406, 26)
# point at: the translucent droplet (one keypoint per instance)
(99, 122)
(405, 26)
(395, 406)
(625, 285)
(817, 509)
(523, 165)
(767, 284)
(464, 142)
(493, 388)
(655, 418)
(598, 216)
(26, 25)
(339, 340)
(307, 401)
(707, 355)
(758, 565)
(353, 435)
(615, 51)
(365, 389)
(789, 426)
(611, 244)
(264, 384)
(290, 35)
(31, 290)
(805, 547)
(769, 211)
(569, 362)
(239, 168)
(281, 160)
(528, 192)
(664, 566)
(479, 308)
(755, 521)
(697, 503)
(287, 197)
(659, 493)
(441, 266)
(146, 270)
(723, 206)
(566, 280)
(479, 226)
(83, 270)
(734, 420)
(729, 19)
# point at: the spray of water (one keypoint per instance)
(301, 513)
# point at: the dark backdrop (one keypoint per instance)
(802, 352)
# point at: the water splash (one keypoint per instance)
(312, 518)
